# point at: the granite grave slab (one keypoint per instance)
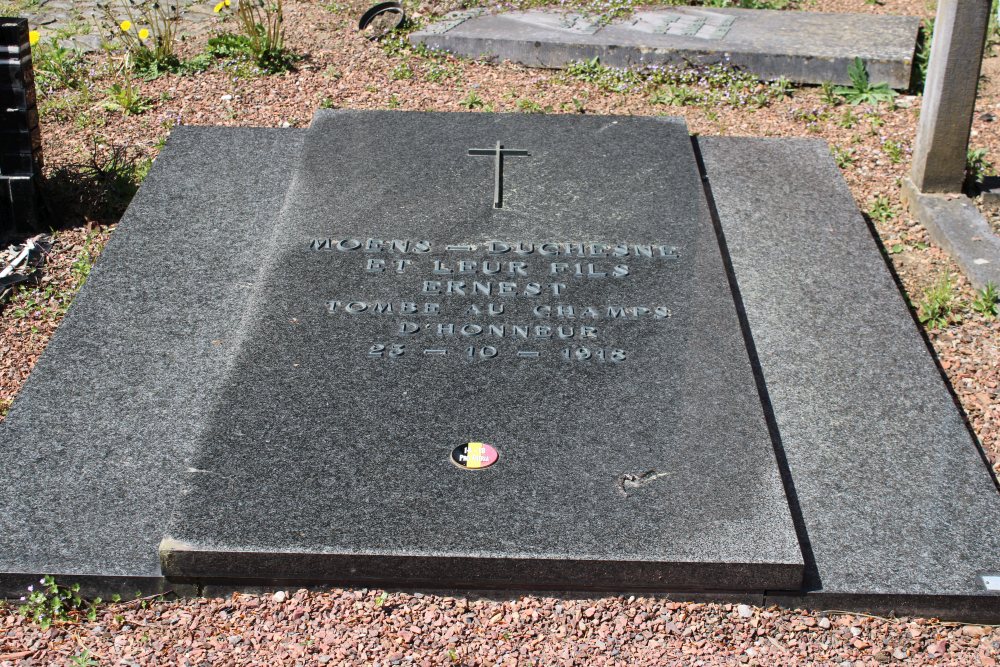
(108, 419)
(152, 406)
(806, 47)
(536, 289)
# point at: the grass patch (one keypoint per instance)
(707, 85)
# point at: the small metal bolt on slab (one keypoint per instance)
(499, 152)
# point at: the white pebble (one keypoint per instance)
(280, 596)
(744, 611)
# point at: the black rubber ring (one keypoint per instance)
(379, 9)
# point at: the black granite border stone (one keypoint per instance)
(481, 571)
(899, 506)
(96, 441)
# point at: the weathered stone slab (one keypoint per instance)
(95, 443)
(633, 449)
(900, 510)
(805, 47)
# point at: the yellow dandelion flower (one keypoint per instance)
(143, 34)
(218, 7)
(33, 37)
(227, 2)
(126, 26)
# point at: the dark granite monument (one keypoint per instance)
(499, 351)
(806, 47)
(20, 137)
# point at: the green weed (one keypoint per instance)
(675, 96)
(471, 100)
(977, 167)
(936, 308)
(848, 119)
(148, 35)
(261, 35)
(57, 66)
(993, 30)
(84, 659)
(117, 170)
(894, 150)
(85, 260)
(881, 209)
(126, 97)
(844, 157)
(861, 91)
(50, 603)
(401, 71)
(708, 85)
(438, 72)
(985, 301)
(922, 57)
(828, 93)
(531, 106)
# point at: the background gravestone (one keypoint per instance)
(807, 47)
(20, 137)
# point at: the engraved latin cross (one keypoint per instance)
(498, 153)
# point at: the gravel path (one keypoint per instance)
(350, 626)
(363, 627)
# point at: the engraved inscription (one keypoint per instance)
(456, 289)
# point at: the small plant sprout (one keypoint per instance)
(880, 209)
(84, 659)
(977, 167)
(381, 599)
(401, 71)
(438, 72)
(781, 87)
(936, 308)
(985, 301)
(861, 91)
(894, 150)
(125, 97)
(531, 106)
(678, 96)
(828, 93)
(844, 157)
(848, 119)
(471, 100)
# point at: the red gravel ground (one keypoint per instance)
(365, 627)
(361, 627)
